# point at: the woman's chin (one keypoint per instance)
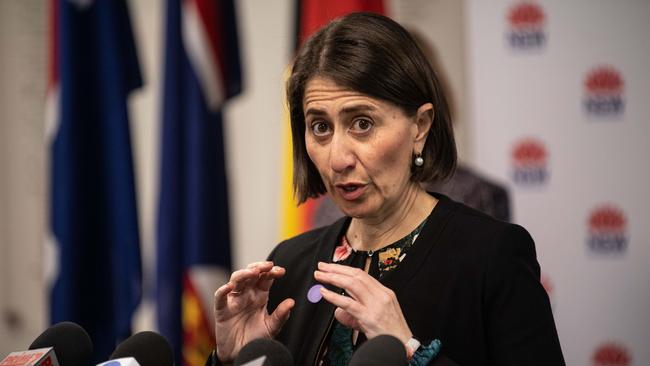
(357, 210)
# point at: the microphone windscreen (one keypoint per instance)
(148, 348)
(72, 345)
(275, 352)
(383, 350)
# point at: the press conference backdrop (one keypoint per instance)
(560, 109)
(558, 97)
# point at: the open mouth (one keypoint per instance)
(351, 191)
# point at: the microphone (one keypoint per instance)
(124, 361)
(147, 348)
(36, 357)
(383, 350)
(71, 343)
(264, 352)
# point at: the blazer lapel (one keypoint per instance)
(423, 246)
(323, 312)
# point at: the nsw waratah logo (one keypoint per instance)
(529, 161)
(604, 87)
(526, 22)
(607, 230)
(611, 354)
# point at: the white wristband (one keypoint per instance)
(412, 346)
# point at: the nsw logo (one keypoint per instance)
(606, 230)
(529, 162)
(604, 87)
(611, 354)
(526, 26)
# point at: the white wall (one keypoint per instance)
(22, 171)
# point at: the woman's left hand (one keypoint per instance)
(370, 308)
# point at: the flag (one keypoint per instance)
(311, 15)
(201, 73)
(314, 14)
(94, 256)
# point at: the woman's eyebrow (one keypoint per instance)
(315, 111)
(358, 108)
(345, 110)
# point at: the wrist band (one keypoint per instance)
(425, 353)
(412, 346)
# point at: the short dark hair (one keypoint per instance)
(373, 55)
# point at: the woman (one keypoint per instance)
(369, 122)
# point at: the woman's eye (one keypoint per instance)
(362, 125)
(320, 128)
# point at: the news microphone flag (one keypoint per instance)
(34, 357)
(201, 73)
(92, 249)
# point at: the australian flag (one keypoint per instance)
(201, 73)
(93, 247)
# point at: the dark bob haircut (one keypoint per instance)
(376, 56)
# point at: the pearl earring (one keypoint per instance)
(418, 161)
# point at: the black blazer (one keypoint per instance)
(468, 280)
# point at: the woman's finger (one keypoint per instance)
(353, 285)
(243, 277)
(266, 279)
(280, 316)
(359, 274)
(347, 319)
(263, 270)
(262, 266)
(344, 302)
(221, 296)
(337, 268)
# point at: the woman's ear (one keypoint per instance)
(423, 121)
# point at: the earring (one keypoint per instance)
(419, 160)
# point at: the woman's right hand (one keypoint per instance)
(240, 309)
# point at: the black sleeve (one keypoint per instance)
(520, 326)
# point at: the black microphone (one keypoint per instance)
(148, 348)
(264, 352)
(383, 350)
(71, 343)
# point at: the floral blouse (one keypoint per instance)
(383, 261)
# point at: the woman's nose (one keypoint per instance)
(342, 156)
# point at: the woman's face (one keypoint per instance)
(362, 147)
